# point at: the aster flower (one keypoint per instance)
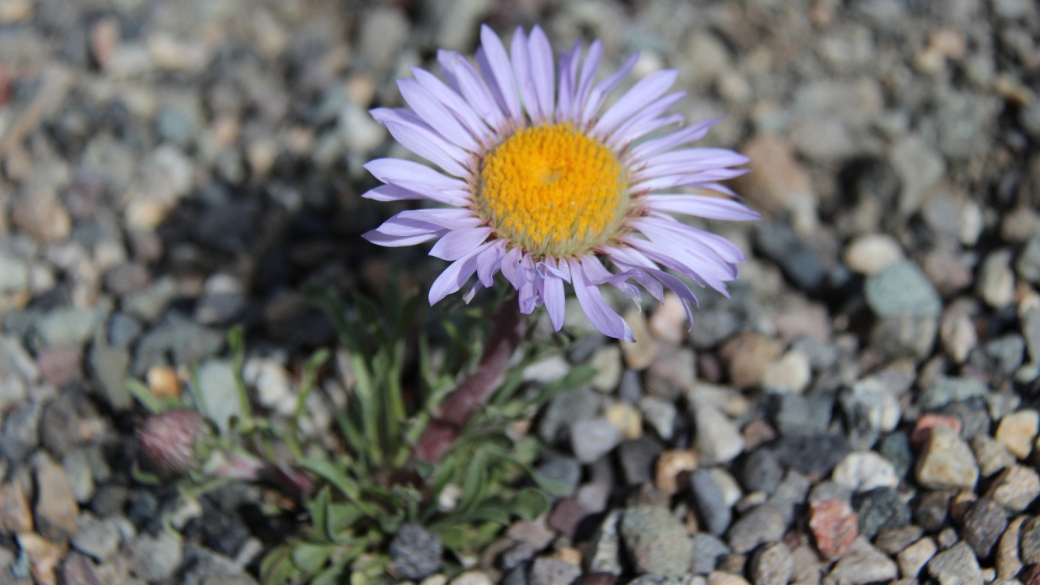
(541, 185)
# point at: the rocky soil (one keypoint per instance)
(863, 410)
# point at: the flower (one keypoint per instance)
(542, 186)
(169, 439)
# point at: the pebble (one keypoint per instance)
(984, 522)
(15, 515)
(656, 542)
(862, 564)
(473, 577)
(991, 454)
(710, 501)
(660, 415)
(996, 281)
(637, 459)
(745, 357)
(155, 558)
(764, 523)
(901, 289)
(718, 439)
(670, 464)
(1015, 488)
(626, 419)
(77, 468)
(865, 471)
(956, 566)
(815, 454)
(895, 448)
(894, 541)
(726, 578)
(707, 549)
(593, 438)
(563, 470)
(1008, 561)
(606, 550)
(415, 553)
(762, 471)
(640, 354)
(872, 253)
(772, 565)
(607, 361)
(799, 415)
(945, 390)
(550, 571)
(946, 461)
(1017, 431)
(99, 539)
(668, 321)
(56, 508)
(1028, 262)
(880, 509)
(777, 180)
(43, 555)
(1029, 543)
(919, 168)
(790, 373)
(672, 373)
(904, 336)
(914, 557)
(564, 410)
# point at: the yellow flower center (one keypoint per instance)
(553, 191)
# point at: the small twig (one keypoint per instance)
(455, 412)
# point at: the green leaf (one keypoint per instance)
(318, 507)
(143, 395)
(277, 567)
(309, 557)
(331, 575)
(342, 517)
(347, 486)
(530, 503)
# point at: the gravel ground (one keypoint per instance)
(862, 410)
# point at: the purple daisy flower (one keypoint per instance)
(542, 186)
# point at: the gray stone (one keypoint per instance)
(996, 281)
(711, 503)
(656, 541)
(56, 507)
(660, 415)
(21, 430)
(944, 390)
(149, 304)
(764, 523)
(155, 558)
(772, 565)
(1031, 333)
(99, 539)
(718, 439)
(637, 459)
(550, 571)
(1028, 263)
(706, 552)
(1007, 352)
(914, 557)
(880, 509)
(762, 471)
(68, 326)
(862, 564)
(1015, 488)
(414, 552)
(965, 122)
(565, 470)
(919, 168)
(956, 566)
(591, 439)
(797, 414)
(1029, 543)
(123, 330)
(984, 523)
(77, 466)
(14, 273)
(186, 342)
(904, 336)
(110, 366)
(894, 541)
(566, 409)
(606, 551)
(384, 32)
(902, 289)
(991, 454)
(946, 461)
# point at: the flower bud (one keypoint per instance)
(168, 439)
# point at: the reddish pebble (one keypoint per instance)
(923, 428)
(834, 527)
(566, 516)
(60, 365)
(1030, 575)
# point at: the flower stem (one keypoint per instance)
(459, 406)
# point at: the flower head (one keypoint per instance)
(169, 439)
(541, 185)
